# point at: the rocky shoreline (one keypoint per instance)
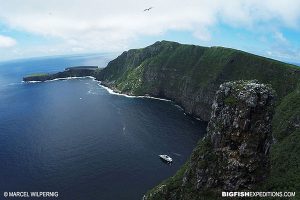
(79, 71)
(190, 76)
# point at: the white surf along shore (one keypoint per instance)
(111, 91)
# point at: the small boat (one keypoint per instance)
(166, 158)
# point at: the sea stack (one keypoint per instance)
(234, 155)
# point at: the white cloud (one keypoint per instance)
(113, 25)
(202, 34)
(280, 38)
(6, 42)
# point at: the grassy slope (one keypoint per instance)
(37, 74)
(201, 65)
(285, 153)
(180, 66)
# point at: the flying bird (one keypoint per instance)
(148, 9)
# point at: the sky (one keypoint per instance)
(33, 28)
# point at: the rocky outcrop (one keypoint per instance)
(234, 155)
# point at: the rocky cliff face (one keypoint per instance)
(190, 75)
(235, 153)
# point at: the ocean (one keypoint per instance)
(76, 138)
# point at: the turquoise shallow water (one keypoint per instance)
(74, 137)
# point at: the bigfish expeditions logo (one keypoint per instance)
(259, 194)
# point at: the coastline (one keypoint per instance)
(115, 92)
(58, 79)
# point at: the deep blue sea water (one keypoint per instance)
(74, 137)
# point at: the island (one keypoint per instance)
(76, 71)
(216, 84)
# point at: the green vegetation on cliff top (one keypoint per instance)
(201, 66)
(285, 159)
(37, 74)
(190, 75)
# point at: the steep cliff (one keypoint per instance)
(234, 155)
(285, 159)
(190, 75)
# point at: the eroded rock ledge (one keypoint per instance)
(234, 155)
